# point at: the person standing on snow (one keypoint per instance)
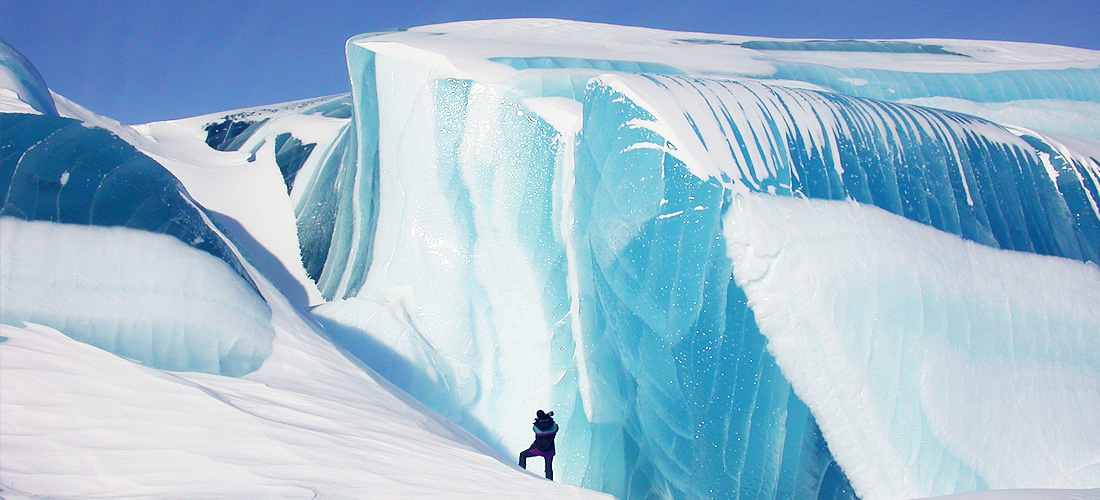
(545, 430)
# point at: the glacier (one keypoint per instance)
(733, 267)
(617, 303)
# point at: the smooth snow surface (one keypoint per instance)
(1025, 494)
(79, 422)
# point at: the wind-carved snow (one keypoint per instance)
(141, 295)
(80, 422)
(931, 359)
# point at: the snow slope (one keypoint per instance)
(77, 421)
(80, 422)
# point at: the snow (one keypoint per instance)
(1026, 494)
(466, 45)
(240, 193)
(24, 89)
(903, 352)
(79, 422)
(515, 219)
(145, 296)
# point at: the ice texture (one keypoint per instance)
(1007, 188)
(550, 229)
(57, 169)
(23, 83)
(662, 156)
(144, 296)
(931, 359)
(733, 267)
(102, 242)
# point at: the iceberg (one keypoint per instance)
(733, 267)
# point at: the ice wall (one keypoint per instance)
(693, 386)
(663, 155)
(539, 243)
(470, 282)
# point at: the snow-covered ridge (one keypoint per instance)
(465, 43)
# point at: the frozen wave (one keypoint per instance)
(903, 352)
(517, 239)
(26, 87)
(140, 295)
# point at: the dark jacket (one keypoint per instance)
(545, 430)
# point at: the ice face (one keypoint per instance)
(26, 87)
(659, 158)
(162, 286)
(538, 244)
(140, 295)
(1009, 189)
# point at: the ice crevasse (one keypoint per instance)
(630, 228)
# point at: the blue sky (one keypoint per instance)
(140, 61)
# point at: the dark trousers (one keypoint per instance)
(525, 454)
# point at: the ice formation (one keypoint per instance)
(934, 347)
(21, 87)
(733, 267)
(117, 289)
(103, 246)
(550, 230)
(145, 296)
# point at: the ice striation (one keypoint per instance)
(21, 86)
(733, 267)
(552, 231)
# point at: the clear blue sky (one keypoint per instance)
(145, 60)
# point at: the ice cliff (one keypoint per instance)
(554, 207)
(733, 267)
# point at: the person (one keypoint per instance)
(545, 429)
